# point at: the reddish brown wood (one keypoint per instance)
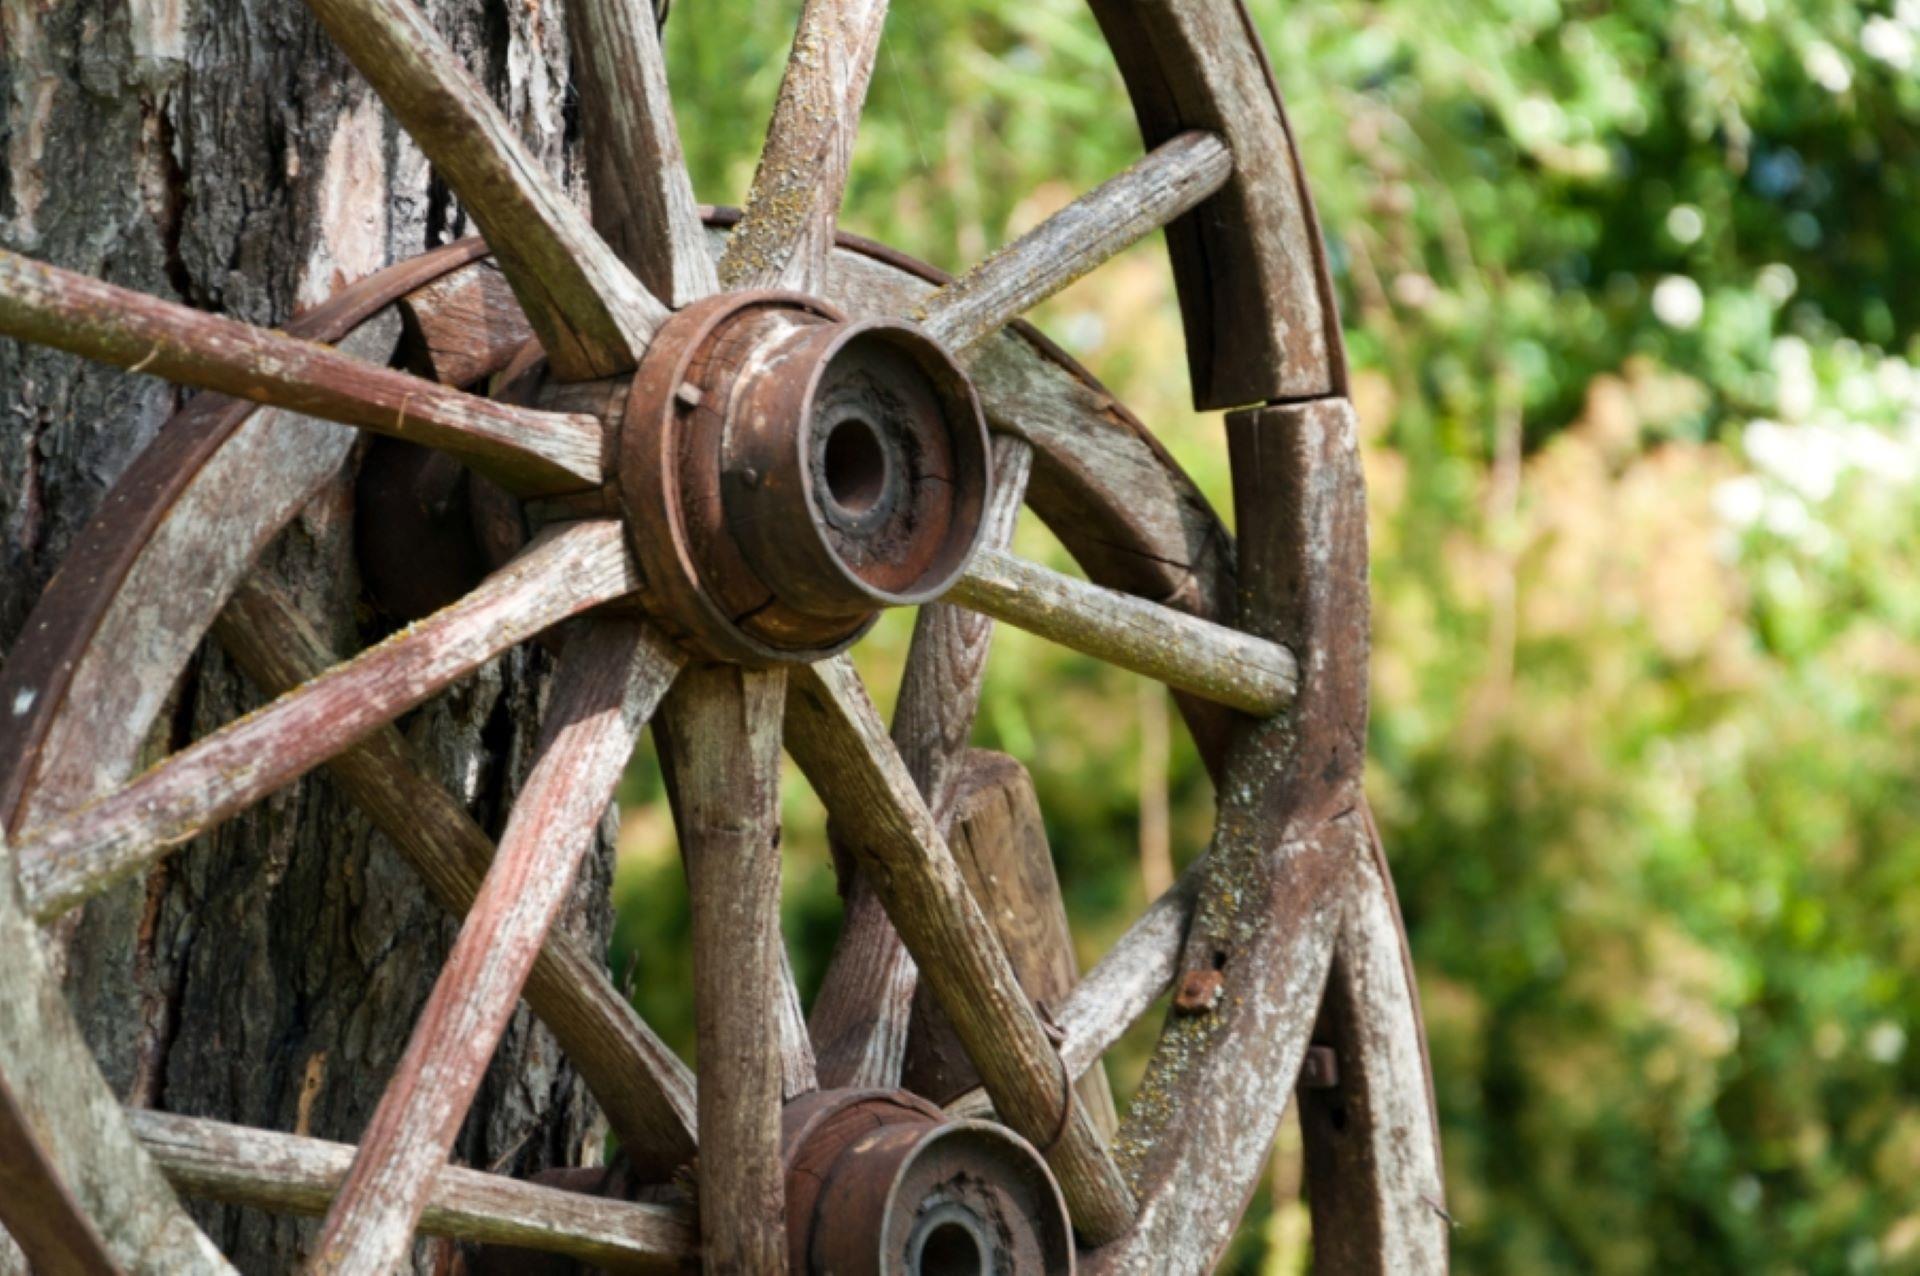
(573, 568)
(592, 315)
(463, 328)
(835, 734)
(525, 450)
(77, 707)
(612, 675)
(999, 839)
(641, 1084)
(860, 1017)
(722, 734)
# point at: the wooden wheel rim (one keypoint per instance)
(1175, 57)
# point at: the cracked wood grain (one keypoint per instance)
(639, 1082)
(567, 571)
(786, 230)
(612, 674)
(643, 201)
(861, 1016)
(721, 727)
(288, 1173)
(594, 318)
(1225, 665)
(835, 734)
(1169, 181)
(524, 449)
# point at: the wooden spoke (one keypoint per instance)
(1168, 182)
(642, 197)
(95, 1202)
(1185, 652)
(526, 450)
(721, 729)
(1130, 978)
(836, 735)
(567, 571)
(786, 230)
(612, 675)
(999, 839)
(593, 316)
(642, 1085)
(860, 1017)
(290, 1174)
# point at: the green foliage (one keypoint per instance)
(1627, 289)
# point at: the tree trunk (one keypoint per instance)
(220, 153)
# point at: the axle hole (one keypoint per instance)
(951, 1249)
(855, 465)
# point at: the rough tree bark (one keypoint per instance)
(220, 153)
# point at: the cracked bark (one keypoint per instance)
(220, 153)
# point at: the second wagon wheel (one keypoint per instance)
(727, 442)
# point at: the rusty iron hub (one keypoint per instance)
(883, 1183)
(786, 473)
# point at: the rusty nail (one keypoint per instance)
(1321, 1069)
(1199, 992)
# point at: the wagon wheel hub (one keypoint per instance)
(785, 473)
(883, 1182)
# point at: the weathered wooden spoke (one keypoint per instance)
(643, 201)
(593, 316)
(612, 675)
(575, 568)
(722, 734)
(1067, 245)
(526, 450)
(1187, 653)
(644, 1088)
(786, 229)
(293, 1174)
(837, 738)
(860, 1018)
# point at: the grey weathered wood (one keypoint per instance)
(1254, 289)
(861, 1015)
(786, 230)
(1185, 652)
(593, 316)
(999, 839)
(836, 735)
(643, 201)
(1288, 849)
(569, 570)
(1371, 1140)
(1170, 181)
(51, 1081)
(1131, 977)
(527, 450)
(287, 1173)
(613, 673)
(721, 727)
(642, 1085)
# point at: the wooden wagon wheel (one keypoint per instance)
(731, 446)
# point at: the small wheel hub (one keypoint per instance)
(786, 473)
(882, 1183)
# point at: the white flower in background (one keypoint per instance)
(1685, 223)
(1888, 41)
(1678, 302)
(1795, 389)
(1886, 1042)
(1740, 501)
(1826, 67)
(1907, 14)
(1777, 282)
